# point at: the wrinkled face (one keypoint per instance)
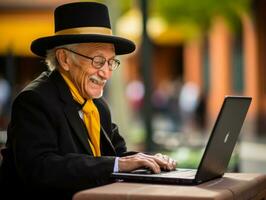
(89, 80)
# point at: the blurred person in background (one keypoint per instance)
(5, 92)
(189, 100)
(61, 138)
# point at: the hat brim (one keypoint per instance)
(41, 45)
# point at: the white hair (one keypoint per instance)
(51, 59)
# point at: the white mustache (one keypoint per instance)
(98, 79)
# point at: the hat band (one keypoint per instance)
(85, 30)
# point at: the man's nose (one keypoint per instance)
(105, 70)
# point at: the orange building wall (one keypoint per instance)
(220, 54)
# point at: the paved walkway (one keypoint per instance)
(253, 157)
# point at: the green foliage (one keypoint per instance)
(200, 12)
(126, 5)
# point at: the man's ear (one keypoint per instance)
(62, 59)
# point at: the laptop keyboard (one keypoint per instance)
(178, 172)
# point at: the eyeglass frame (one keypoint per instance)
(116, 61)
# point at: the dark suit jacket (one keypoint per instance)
(47, 148)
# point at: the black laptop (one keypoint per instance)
(217, 154)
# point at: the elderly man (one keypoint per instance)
(61, 137)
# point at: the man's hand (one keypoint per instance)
(140, 160)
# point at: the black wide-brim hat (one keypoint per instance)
(81, 22)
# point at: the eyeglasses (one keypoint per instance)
(99, 61)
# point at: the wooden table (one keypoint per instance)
(231, 186)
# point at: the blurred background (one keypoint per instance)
(167, 94)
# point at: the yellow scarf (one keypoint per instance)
(91, 117)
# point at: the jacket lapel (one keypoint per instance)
(78, 127)
(71, 111)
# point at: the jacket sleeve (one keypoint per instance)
(34, 140)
